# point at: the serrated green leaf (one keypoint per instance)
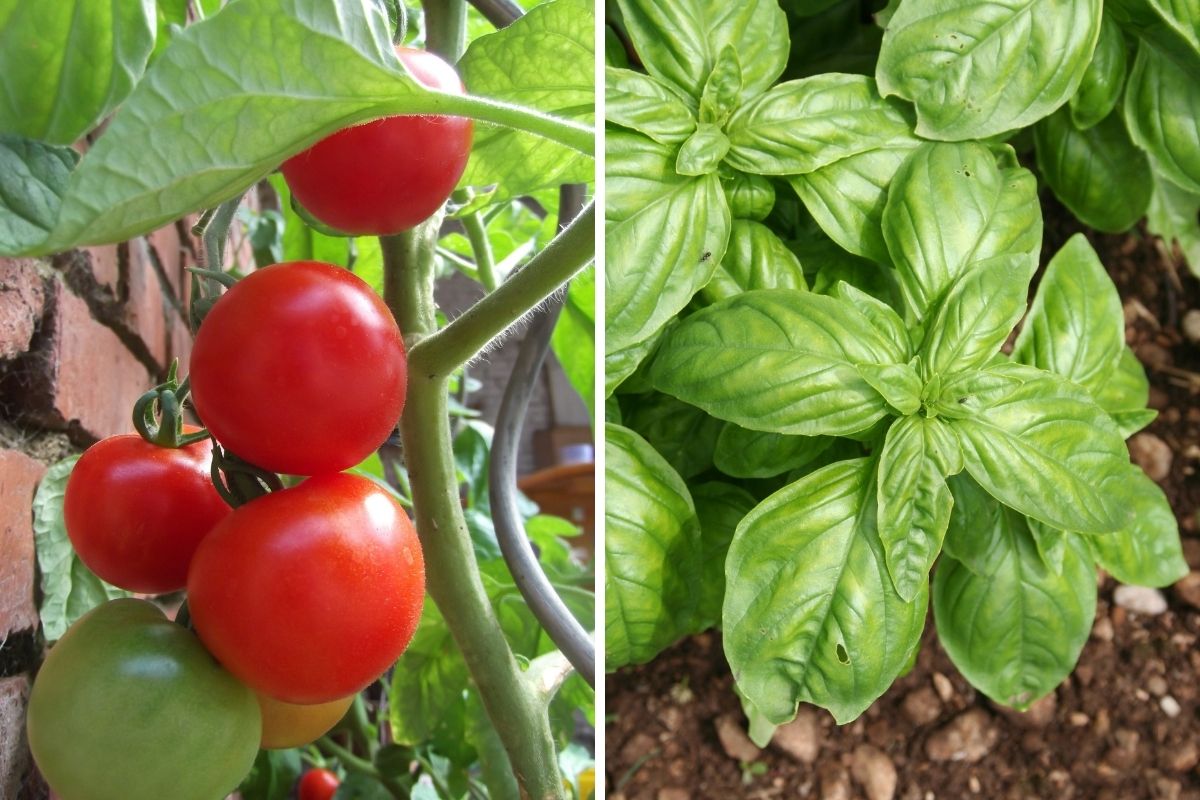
(33, 180)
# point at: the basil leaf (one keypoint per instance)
(880, 315)
(755, 259)
(810, 612)
(721, 90)
(646, 105)
(847, 198)
(682, 434)
(973, 536)
(1174, 214)
(801, 126)
(621, 366)
(719, 507)
(914, 501)
(749, 196)
(1172, 26)
(1147, 551)
(995, 211)
(976, 70)
(33, 179)
(743, 453)
(1162, 105)
(68, 64)
(975, 317)
(1125, 394)
(1076, 326)
(898, 384)
(1083, 166)
(664, 236)
(1047, 450)
(651, 547)
(1102, 80)
(1017, 632)
(701, 154)
(778, 360)
(680, 41)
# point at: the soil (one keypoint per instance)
(1124, 726)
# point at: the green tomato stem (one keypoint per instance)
(436, 355)
(481, 246)
(452, 574)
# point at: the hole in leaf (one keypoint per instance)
(842, 655)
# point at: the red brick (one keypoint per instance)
(21, 300)
(14, 748)
(79, 372)
(19, 476)
(180, 341)
(145, 309)
(105, 264)
(171, 254)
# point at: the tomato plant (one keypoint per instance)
(129, 706)
(292, 725)
(299, 368)
(136, 512)
(386, 176)
(336, 558)
(318, 784)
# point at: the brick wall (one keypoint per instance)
(82, 335)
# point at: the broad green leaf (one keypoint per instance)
(722, 89)
(801, 126)
(1174, 214)
(808, 8)
(1147, 551)
(995, 213)
(544, 60)
(981, 68)
(778, 360)
(914, 501)
(1075, 327)
(646, 105)
(847, 198)
(574, 337)
(1083, 166)
(1125, 394)
(1102, 81)
(756, 258)
(701, 154)
(426, 698)
(743, 453)
(623, 365)
(749, 196)
(679, 41)
(69, 589)
(810, 612)
(882, 317)
(651, 545)
(1047, 450)
(682, 434)
(664, 236)
(1172, 26)
(719, 507)
(899, 384)
(976, 526)
(273, 776)
(1162, 105)
(68, 64)
(33, 179)
(1015, 633)
(839, 39)
(975, 316)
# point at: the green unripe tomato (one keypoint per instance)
(750, 196)
(130, 706)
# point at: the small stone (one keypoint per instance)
(1102, 629)
(1182, 758)
(800, 738)
(1156, 685)
(874, 772)
(1152, 454)
(968, 737)
(922, 705)
(637, 748)
(673, 794)
(1123, 755)
(1188, 589)
(835, 782)
(734, 740)
(1170, 706)
(1038, 715)
(974, 785)
(682, 694)
(944, 687)
(1140, 600)
(1167, 789)
(1079, 719)
(1191, 326)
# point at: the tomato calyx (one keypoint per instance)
(158, 414)
(238, 481)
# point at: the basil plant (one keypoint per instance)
(819, 422)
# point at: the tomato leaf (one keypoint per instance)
(574, 337)
(33, 179)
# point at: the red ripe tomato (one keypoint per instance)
(318, 784)
(299, 368)
(136, 512)
(389, 175)
(308, 594)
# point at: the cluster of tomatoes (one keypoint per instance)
(298, 598)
